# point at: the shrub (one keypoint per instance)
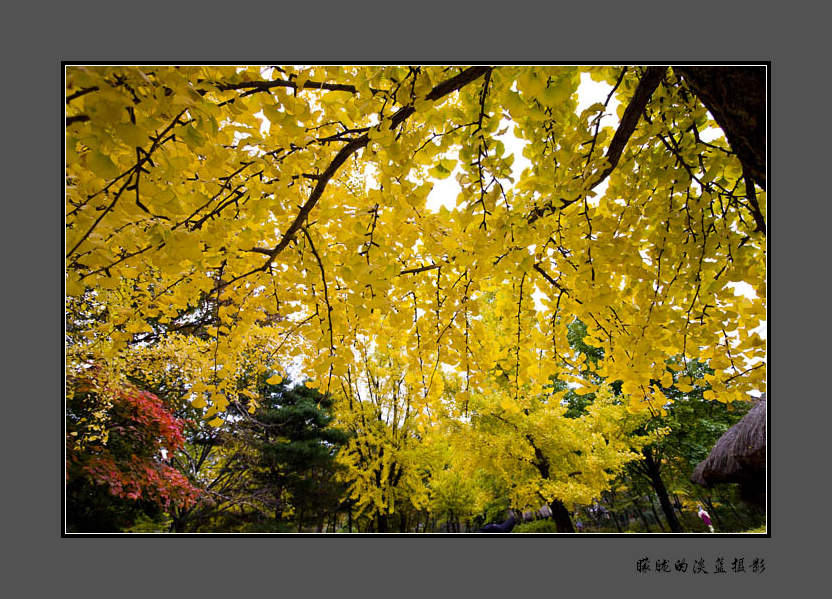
(536, 526)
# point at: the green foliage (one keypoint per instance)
(146, 525)
(293, 446)
(536, 526)
(691, 423)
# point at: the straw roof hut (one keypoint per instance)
(739, 456)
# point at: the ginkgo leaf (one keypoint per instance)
(102, 165)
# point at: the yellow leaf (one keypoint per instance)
(274, 379)
(101, 165)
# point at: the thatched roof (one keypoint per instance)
(739, 454)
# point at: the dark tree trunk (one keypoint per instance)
(382, 523)
(179, 524)
(402, 522)
(653, 473)
(736, 97)
(560, 515)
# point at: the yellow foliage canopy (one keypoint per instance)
(283, 210)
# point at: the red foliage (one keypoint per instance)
(142, 478)
(130, 463)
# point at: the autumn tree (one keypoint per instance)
(283, 213)
(388, 459)
(117, 443)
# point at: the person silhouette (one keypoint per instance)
(706, 518)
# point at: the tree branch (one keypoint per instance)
(413, 271)
(446, 87)
(648, 83)
(646, 86)
(81, 92)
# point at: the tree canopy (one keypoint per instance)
(230, 217)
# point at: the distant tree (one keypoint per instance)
(292, 446)
(691, 425)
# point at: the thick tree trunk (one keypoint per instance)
(561, 517)
(381, 521)
(179, 525)
(736, 97)
(657, 483)
(560, 514)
